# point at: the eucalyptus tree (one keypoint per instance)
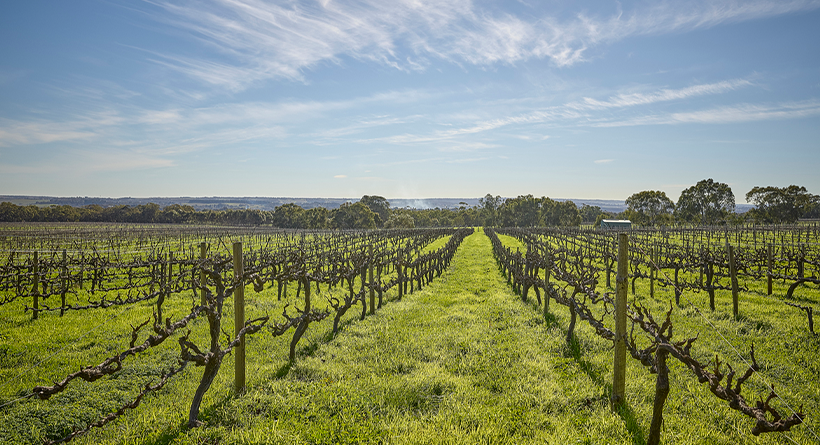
(705, 203)
(650, 207)
(353, 216)
(379, 205)
(781, 205)
(288, 216)
(489, 205)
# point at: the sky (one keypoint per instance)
(407, 98)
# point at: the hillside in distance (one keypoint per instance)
(270, 203)
(265, 203)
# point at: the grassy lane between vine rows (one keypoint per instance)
(462, 361)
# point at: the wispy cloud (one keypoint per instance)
(88, 161)
(120, 160)
(724, 115)
(178, 130)
(258, 40)
(603, 161)
(580, 113)
(16, 132)
(664, 95)
(468, 160)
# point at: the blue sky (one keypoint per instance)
(407, 98)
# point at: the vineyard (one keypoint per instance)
(123, 334)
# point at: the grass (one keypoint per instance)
(462, 361)
(785, 350)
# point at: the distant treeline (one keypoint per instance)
(706, 203)
(368, 213)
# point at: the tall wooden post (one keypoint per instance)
(63, 284)
(399, 268)
(161, 299)
(606, 264)
(82, 270)
(170, 275)
(7, 283)
(652, 271)
(621, 284)
(239, 317)
(661, 392)
(36, 288)
(770, 264)
(733, 274)
(19, 284)
(370, 279)
(547, 271)
(203, 249)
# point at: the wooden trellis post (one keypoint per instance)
(399, 269)
(733, 274)
(203, 248)
(370, 279)
(36, 288)
(652, 272)
(239, 317)
(621, 283)
(547, 271)
(770, 263)
(63, 284)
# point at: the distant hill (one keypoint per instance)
(270, 203)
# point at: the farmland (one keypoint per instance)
(439, 334)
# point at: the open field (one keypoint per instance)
(463, 360)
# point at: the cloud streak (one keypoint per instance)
(583, 113)
(664, 95)
(255, 40)
(725, 115)
(16, 132)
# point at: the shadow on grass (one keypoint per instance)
(550, 320)
(573, 349)
(304, 351)
(283, 370)
(167, 436)
(208, 416)
(627, 414)
(309, 349)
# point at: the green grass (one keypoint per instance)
(462, 361)
(786, 352)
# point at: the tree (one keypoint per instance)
(489, 208)
(353, 216)
(378, 205)
(705, 203)
(813, 211)
(780, 205)
(523, 211)
(591, 213)
(61, 213)
(651, 207)
(315, 218)
(556, 213)
(601, 217)
(288, 216)
(400, 220)
(176, 213)
(10, 212)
